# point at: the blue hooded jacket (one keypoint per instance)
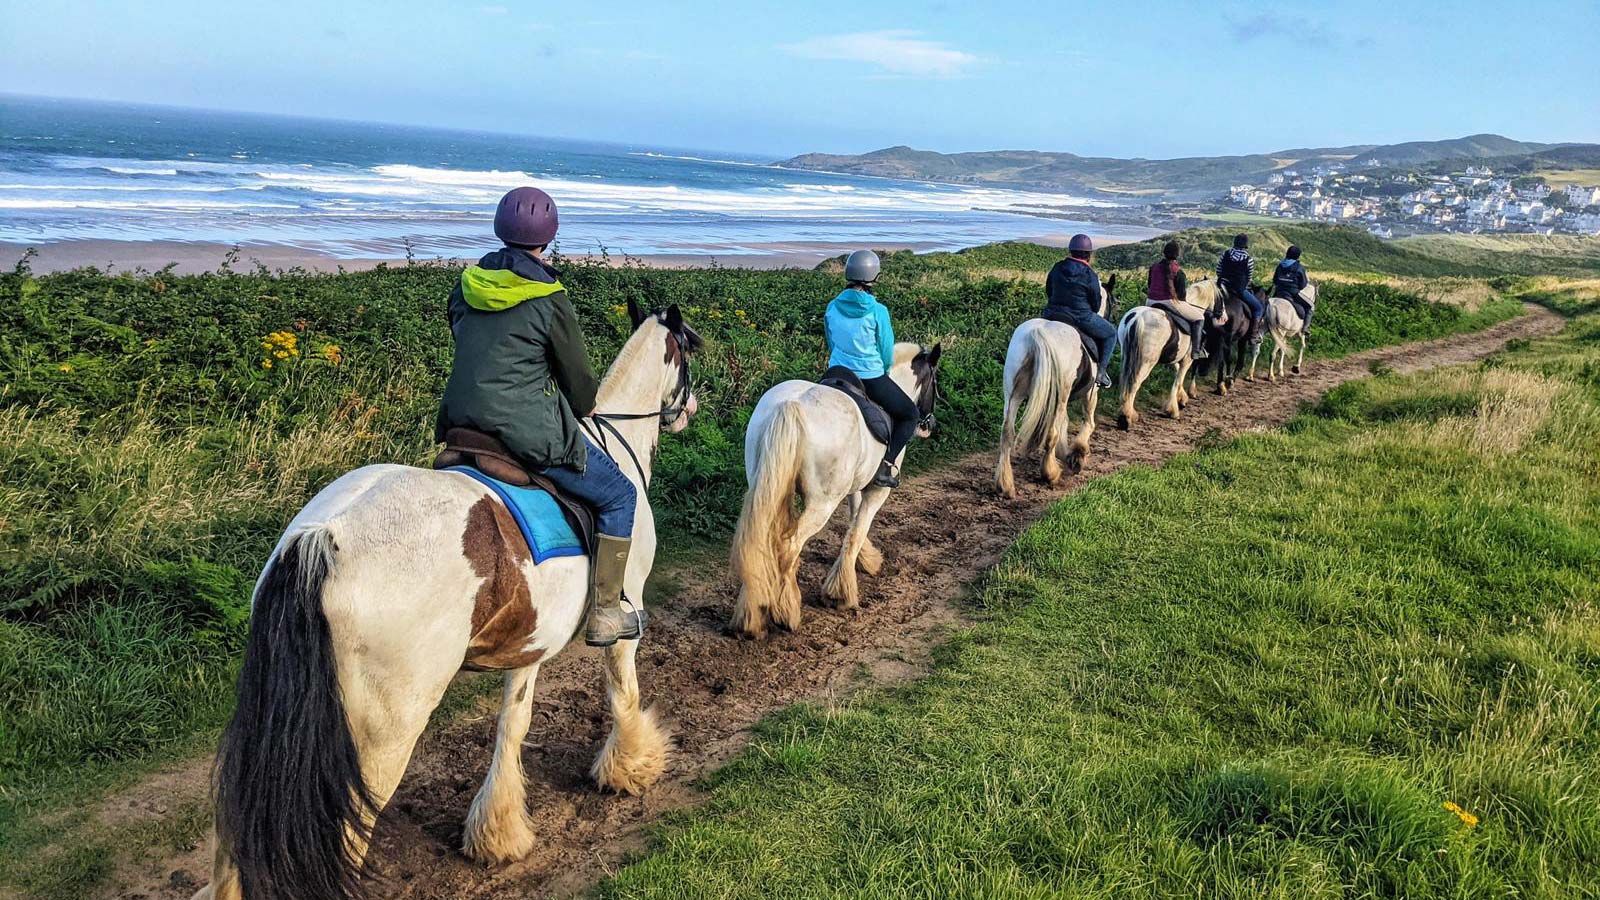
(860, 337)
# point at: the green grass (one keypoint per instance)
(1260, 671)
(1559, 178)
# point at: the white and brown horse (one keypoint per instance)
(389, 582)
(1046, 368)
(1148, 339)
(808, 438)
(1284, 323)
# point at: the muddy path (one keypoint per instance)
(940, 532)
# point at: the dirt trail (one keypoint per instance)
(940, 532)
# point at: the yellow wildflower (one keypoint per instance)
(739, 313)
(619, 309)
(66, 367)
(266, 364)
(281, 354)
(1467, 819)
(332, 353)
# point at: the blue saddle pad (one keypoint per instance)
(537, 514)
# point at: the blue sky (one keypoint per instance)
(1151, 79)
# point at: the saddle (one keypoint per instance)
(1301, 307)
(842, 379)
(484, 452)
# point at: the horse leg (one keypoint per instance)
(871, 558)
(498, 828)
(1008, 440)
(635, 753)
(1255, 354)
(841, 587)
(786, 611)
(1174, 407)
(1051, 468)
(1301, 359)
(1080, 444)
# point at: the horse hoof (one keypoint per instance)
(1123, 423)
(1295, 370)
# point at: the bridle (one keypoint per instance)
(927, 422)
(677, 406)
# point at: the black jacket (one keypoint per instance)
(1236, 268)
(520, 370)
(1289, 279)
(1072, 292)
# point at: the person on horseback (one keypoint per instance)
(1072, 295)
(1168, 291)
(861, 339)
(1288, 280)
(521, 375)
(1234, 271)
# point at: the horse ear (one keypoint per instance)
(673, 319)
(933, 355)
(1111, 286)
(635, 314)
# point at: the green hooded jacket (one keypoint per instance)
(520, 372)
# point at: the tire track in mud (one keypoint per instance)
(940, 532)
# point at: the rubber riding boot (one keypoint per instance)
(1104, 380)
(886, 476)
(1197, 348)
(608, 621)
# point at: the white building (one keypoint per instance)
(1580, 196)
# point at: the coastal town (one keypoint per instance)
(1474, 200)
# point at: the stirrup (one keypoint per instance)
(887, 476)
(628, 626)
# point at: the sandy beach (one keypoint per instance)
(190, 257)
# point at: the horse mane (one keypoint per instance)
(1202, 292)
(634, 347)
(905, 352)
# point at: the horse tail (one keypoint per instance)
(767, 521)
(1132, 355)
(1045, 394)
(292, 807)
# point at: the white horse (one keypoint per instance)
(1148, 339)
(1283, 323)
(1047, 367)
(810, 438)
(390, 581)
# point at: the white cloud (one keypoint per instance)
(896, 52)
(493, 10)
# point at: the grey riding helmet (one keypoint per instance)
(862, 266)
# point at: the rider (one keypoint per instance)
(1234, 271)
(1169, 291)
(1072, 295)
(861, 339)
(1288, 280)
(521, 374)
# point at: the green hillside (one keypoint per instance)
(1172, 179)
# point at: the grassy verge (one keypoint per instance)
(1359, 657)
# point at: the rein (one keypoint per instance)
(677, 405)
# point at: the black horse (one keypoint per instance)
(1229, 343)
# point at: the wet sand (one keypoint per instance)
(204, 256)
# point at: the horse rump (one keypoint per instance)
(292, 807)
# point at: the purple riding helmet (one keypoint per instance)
(1080, 243)
(526, 218)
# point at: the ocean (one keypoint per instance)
(74, 170)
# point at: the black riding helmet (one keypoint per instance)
(1292, 253)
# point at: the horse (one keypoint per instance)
(389, 582)
(1283, 323)
(808, 438)
(1227, 341)
(1047, 367)
(1148, 338)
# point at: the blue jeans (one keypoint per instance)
(1102, 331)
(603, 486)
(1250, 300)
